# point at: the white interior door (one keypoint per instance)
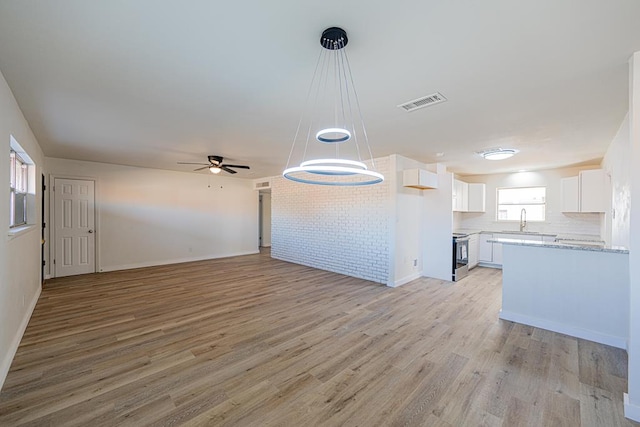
(75, 241)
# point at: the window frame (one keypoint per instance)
(498, 204)
(18, 186)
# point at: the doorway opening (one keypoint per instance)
(264, 219)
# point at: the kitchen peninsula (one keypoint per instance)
(582, 291)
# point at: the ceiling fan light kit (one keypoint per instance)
(215, 165)
(333, 76)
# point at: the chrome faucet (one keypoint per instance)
(523, 219)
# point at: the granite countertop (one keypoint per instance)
(557, 245)
(561, 236)
(469, 232)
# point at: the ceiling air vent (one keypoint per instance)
(425, 101)
(261, 185)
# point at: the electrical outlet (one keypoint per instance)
(415, 262)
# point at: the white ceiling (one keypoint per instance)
(151, 83)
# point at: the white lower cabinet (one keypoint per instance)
(473, 250)
(491, 253)
(485, 249)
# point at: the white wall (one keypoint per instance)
(617, 162)
(19, 255)
(407, 223)
(632, 403)
(556, 221)
(152, 217)
(340, 229)
(266, 219)
(438, 226)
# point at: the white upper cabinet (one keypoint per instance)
(460, 196)
(586, 192)
(477, 197)
(420, 179)
(468, 197)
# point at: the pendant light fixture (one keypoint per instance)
(332, 114)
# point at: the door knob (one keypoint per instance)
(90, 231)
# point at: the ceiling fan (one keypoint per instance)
(215, 165)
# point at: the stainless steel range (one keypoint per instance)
(460, 260)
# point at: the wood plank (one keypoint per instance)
(265, 342)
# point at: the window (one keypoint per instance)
(511, 201)
(18, 185)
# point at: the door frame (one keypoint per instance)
(43, 224)
(52, 213)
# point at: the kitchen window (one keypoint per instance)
(511, 201)
(18, 187)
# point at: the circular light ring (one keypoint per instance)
(343, 135)
(338, 171)
(334, 162)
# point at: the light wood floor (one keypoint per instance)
(255, 341)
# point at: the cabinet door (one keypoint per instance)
(485, 249)
(477, 197)
(570, 194)
(592, 191)
(464, 205)
(460, 196)
(454, 194)
(497, 253)
(473, 250)
(457, 195)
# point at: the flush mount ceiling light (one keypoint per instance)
(498, 153)
(332, 101)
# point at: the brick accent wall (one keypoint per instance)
(339, 229)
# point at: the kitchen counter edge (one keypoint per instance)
(556, 245)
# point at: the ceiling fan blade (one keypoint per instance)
(226, 169)
(237, 166)
(189, 163)
(202, 168)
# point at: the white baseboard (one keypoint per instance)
(490, 265)
(173, 261)
(631, 411)
(612, 340)
(405, 280)
(13, 348)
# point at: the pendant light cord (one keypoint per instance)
(306, 104)
(355, 93)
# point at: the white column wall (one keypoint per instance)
(617, 162)
(438, 226)
(632, 399)
(407, 223)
